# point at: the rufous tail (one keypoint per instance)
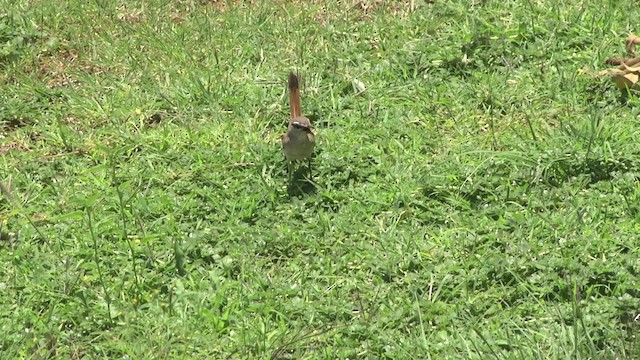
(294, 96)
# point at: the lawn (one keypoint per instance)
(474, 192)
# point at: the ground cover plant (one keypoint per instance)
(474, 190)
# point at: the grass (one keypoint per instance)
(479, 200)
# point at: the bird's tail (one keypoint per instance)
(294, 96)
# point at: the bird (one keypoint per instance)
(299, 141)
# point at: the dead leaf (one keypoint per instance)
(632, 41)
(631, 79)
(626, 63)
(628, 68)
(627, 74)
(615, 61)
(625, 80)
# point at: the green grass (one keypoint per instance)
(478, 201)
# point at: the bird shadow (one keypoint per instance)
(301, 181)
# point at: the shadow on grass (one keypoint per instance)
(10, 124)
(300, 182)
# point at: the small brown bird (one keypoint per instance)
(298, 142)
